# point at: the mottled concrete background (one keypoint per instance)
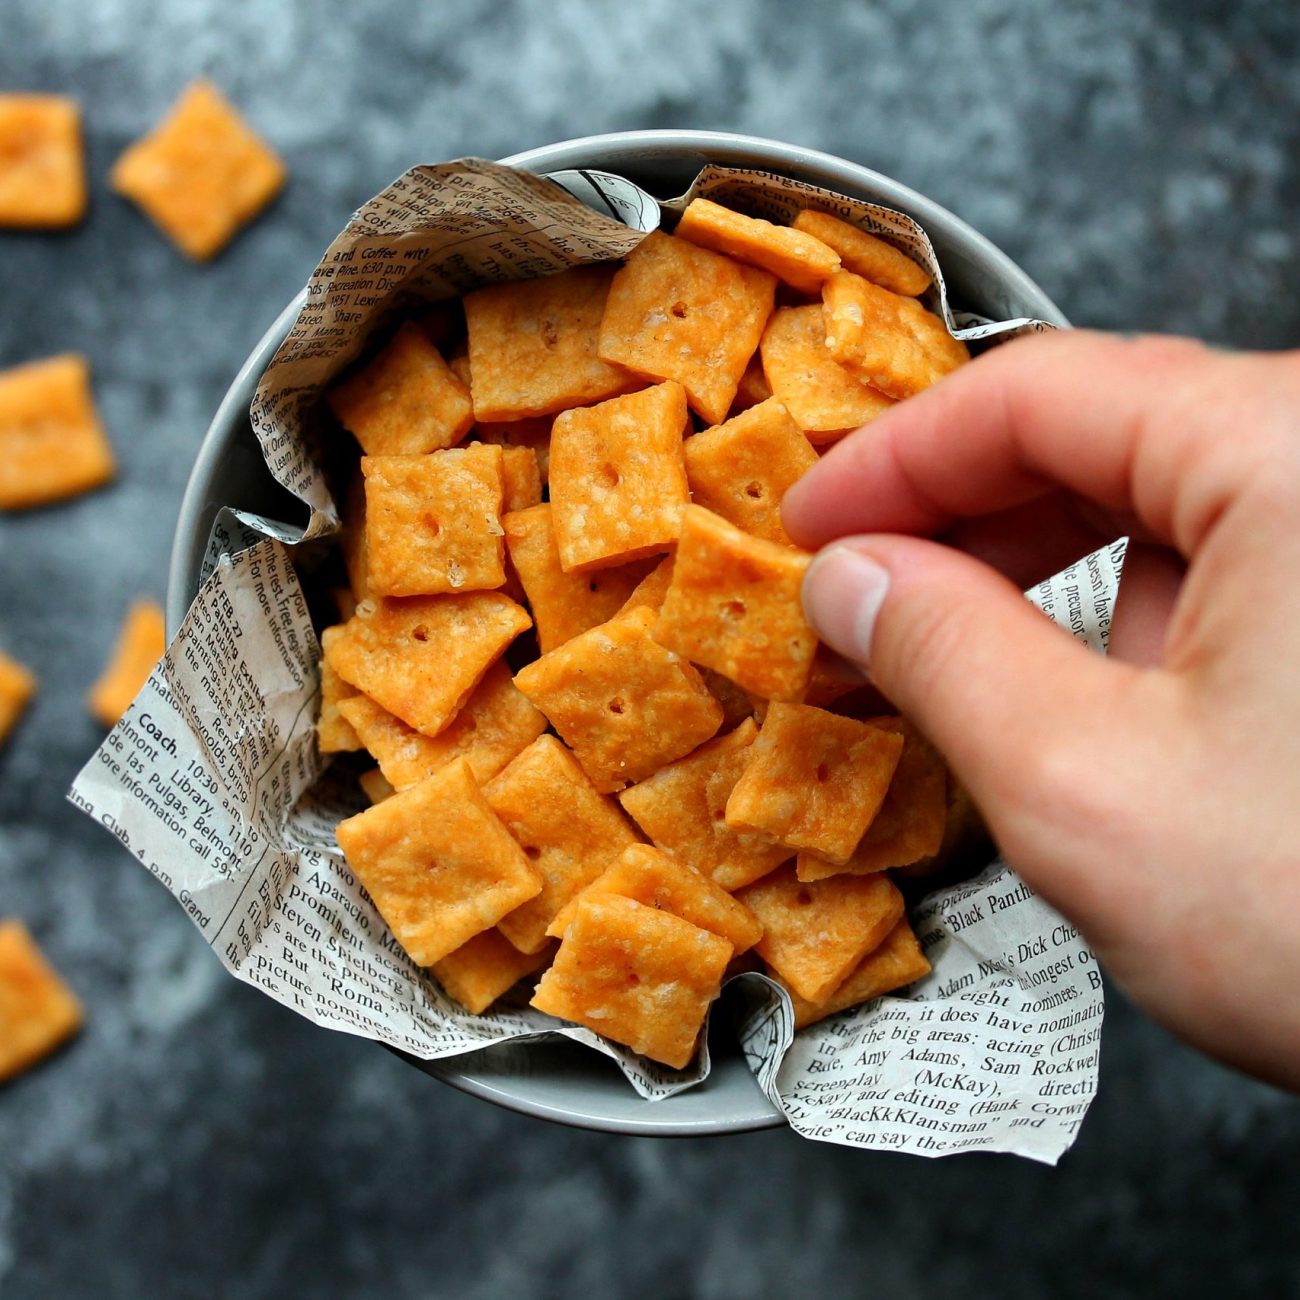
(1139, 159)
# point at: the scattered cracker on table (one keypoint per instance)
(532, 345)
(887, 340)
(17, 686)
(815, 933)
(484, 968)
(38, 1011)
(910, 823)
(201, 174)
(422, 657)
(405, 401)
(564, 604)
(567, 828)
(52, 445)
(637, 975)
(670, 884)
(618, 478)
(734, 606)
(682, 808)
(437, 863)
(433, 522)
(792, 255)
(741, 469)
(623, 703)
(496, 723)
(815, 780)
(897, 962)
(676, 311)
(865, 255)
(824, 399)
(140, 644)
(42, 162)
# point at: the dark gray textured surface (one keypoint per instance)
(1138, 159)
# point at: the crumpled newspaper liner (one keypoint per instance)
(213, 780)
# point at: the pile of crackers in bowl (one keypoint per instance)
(611, 758)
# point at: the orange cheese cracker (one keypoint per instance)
(677, 311)
(652, 877)
(495, 723)
(532, 345)
(433, 522)
(799, 259)
(887, 340)
(815, 780)
(865, 255)
(637, 975)
(911, 821)
(741, 469)
(38, 1011)
(51, 442)
(682, 809)
(753, 387)
(815, 933)
(897, 962)
(140, 644)
(480, 971)
(623, 703)
(652, 589)
(618, 480)
(375, 786)
(42, 165)
(201, 173)
(437, 863)
(334, 733)
(17, 685)
(421, 657)
(563, 604)
(521, 478)
(568, 829)
(824, 399)
(734, 606)
(405, 401)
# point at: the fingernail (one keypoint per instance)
(843, 591)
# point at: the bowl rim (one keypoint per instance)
(626, 1112)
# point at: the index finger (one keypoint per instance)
(1136, 425)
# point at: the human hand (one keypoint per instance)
(1152, 796)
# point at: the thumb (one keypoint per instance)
(1009, 697)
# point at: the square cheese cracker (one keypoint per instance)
(639, 976)
(52, 445)
(480, 971)
(620, 701)
(815, 933)
(437, 863)
(140, 644)
(865, 255)
(824, 399)
(532, 345)
(433, 522)
(656, 879)
(568, 829)
(741, 469)
(422, 657)
(682, 808)
(17, 686)
(404, 401)
(201, 173)
(795, 257)
(563, 604)
(677, 311)
(334, 732)
(37, 1009)
(42, 164)
(886, 339)
(495, 724)
(815, 780)
(618, 479)
(734, 606)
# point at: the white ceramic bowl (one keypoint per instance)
(559, 1080)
